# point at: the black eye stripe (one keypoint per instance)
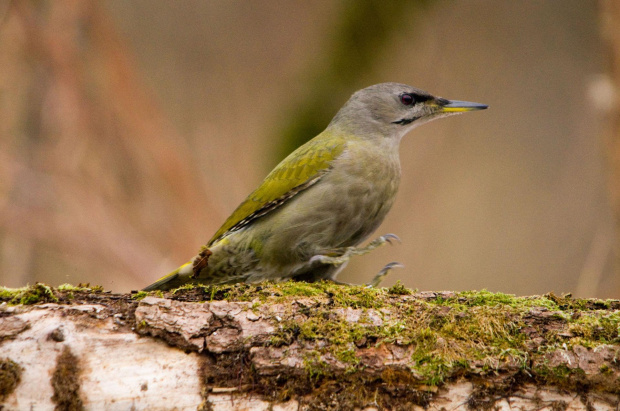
(422, 99)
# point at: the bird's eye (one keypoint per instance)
(407, 99)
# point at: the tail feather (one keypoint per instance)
(175, 279)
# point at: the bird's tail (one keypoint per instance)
(175, 279)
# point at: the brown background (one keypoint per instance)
(130, 130)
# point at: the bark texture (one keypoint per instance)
(291, 346)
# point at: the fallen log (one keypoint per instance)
(305, 346)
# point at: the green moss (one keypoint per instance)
(609, 331)
(38, 293)
(490, 299)
(342, 295)
(399, 289)
(300, 289)
(487, 298)
(139, 295)
(561, 375)
(433, 369)
(595, 328)
(41, 293)
(314, 365)
(360, 297)
(70, 287)
(7, 294)
(347, 356)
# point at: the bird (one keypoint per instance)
(310, 214)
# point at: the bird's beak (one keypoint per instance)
(456, 106)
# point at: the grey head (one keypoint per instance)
(393, 109)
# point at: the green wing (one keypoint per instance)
(302, 168)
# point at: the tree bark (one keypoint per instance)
(291, 346)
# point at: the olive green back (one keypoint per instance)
(296, 172)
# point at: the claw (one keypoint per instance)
(382, 240)
(382, 273)
(389, 237)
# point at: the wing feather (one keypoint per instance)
(300, 170)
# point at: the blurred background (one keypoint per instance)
(129, 131)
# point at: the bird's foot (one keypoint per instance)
(342, 255)
(377, 242)
(382, 273)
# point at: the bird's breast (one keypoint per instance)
(364, 183)
(342, 209)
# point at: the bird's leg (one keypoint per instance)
(340, 256)
(376, 280)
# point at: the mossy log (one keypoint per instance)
(305, 346)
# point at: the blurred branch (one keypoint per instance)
(90, 165)
(609, 101)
